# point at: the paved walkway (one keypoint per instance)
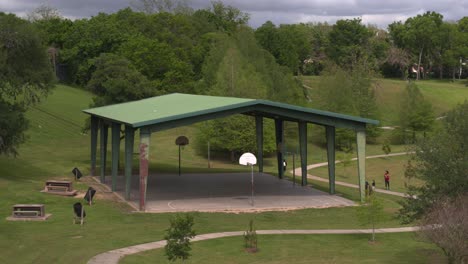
(310, 176)
(113, 256)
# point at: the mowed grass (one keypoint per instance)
(389, 248)
(443, 95)
(375, 169)
(56, 145)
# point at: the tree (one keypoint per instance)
(348, 42)
(236, 66)
(158, 6)
(399, 57)
(417, 34)
(115, 80)
(250, 238)
(371, 213)
(349, 91)
(416, 114)
(386, 147)
(441, 162)
(446, 225)
(178, 237)
(44, 12)
(25, 77)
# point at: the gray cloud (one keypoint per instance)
(376, 12)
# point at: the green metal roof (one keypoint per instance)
(176, 106)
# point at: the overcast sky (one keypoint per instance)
(377, 12)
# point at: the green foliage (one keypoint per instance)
(386, 147)
(115, 80)
(250, 237)
(441, 161)
(234, 134)
(289, 44)
(236, 66)
(25, 77)
(178, 237)
(416, 114)
(371, 212)
(348, 42)
(349, 92)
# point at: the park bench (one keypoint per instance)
(28, 212)
(59, 187)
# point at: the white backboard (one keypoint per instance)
(247, 159)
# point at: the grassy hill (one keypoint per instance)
(56, 145)
(443, 95)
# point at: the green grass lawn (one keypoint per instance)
(389, 248)
(56, 145)
(375, 169)
(443, 95)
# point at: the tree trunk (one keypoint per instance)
(419, 64)
(441, 72)
(373, 232)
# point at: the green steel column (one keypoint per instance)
(303, 150)
(145, 135)
(103, 140)
(115, 154)
(279, 146)
(330, 131)
(361, 156)
(259, 130)
(94, 136)
(129, 138)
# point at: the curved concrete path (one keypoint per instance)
(322, 164)
(113, 256)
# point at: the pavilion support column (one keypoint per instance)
(330, 131)
(103, 141)
(279, 129)
(94, 137)
(129, 140)
(259, 132)
(361, 156)
(145, 135)
(115, 154)
(303, 150)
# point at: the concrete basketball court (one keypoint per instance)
(226, 192)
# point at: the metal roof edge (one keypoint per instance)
(319, 112)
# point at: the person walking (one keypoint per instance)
(387, 180)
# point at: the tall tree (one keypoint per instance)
(417, 34)
(349, 92)
(115, 80)
(348, 42)
(441, 161)
(416, 114)
(25, 77)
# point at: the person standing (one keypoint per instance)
(373, 186)
(387, 180)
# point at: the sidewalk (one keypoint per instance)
(312, 177)
(113, 256)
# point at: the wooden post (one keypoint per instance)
(259, 133)
(145, 135)
(330, 131)
(361, 156)
(303, 150)
(129, 139)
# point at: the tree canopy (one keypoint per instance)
(25, 77)
(441, 161)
